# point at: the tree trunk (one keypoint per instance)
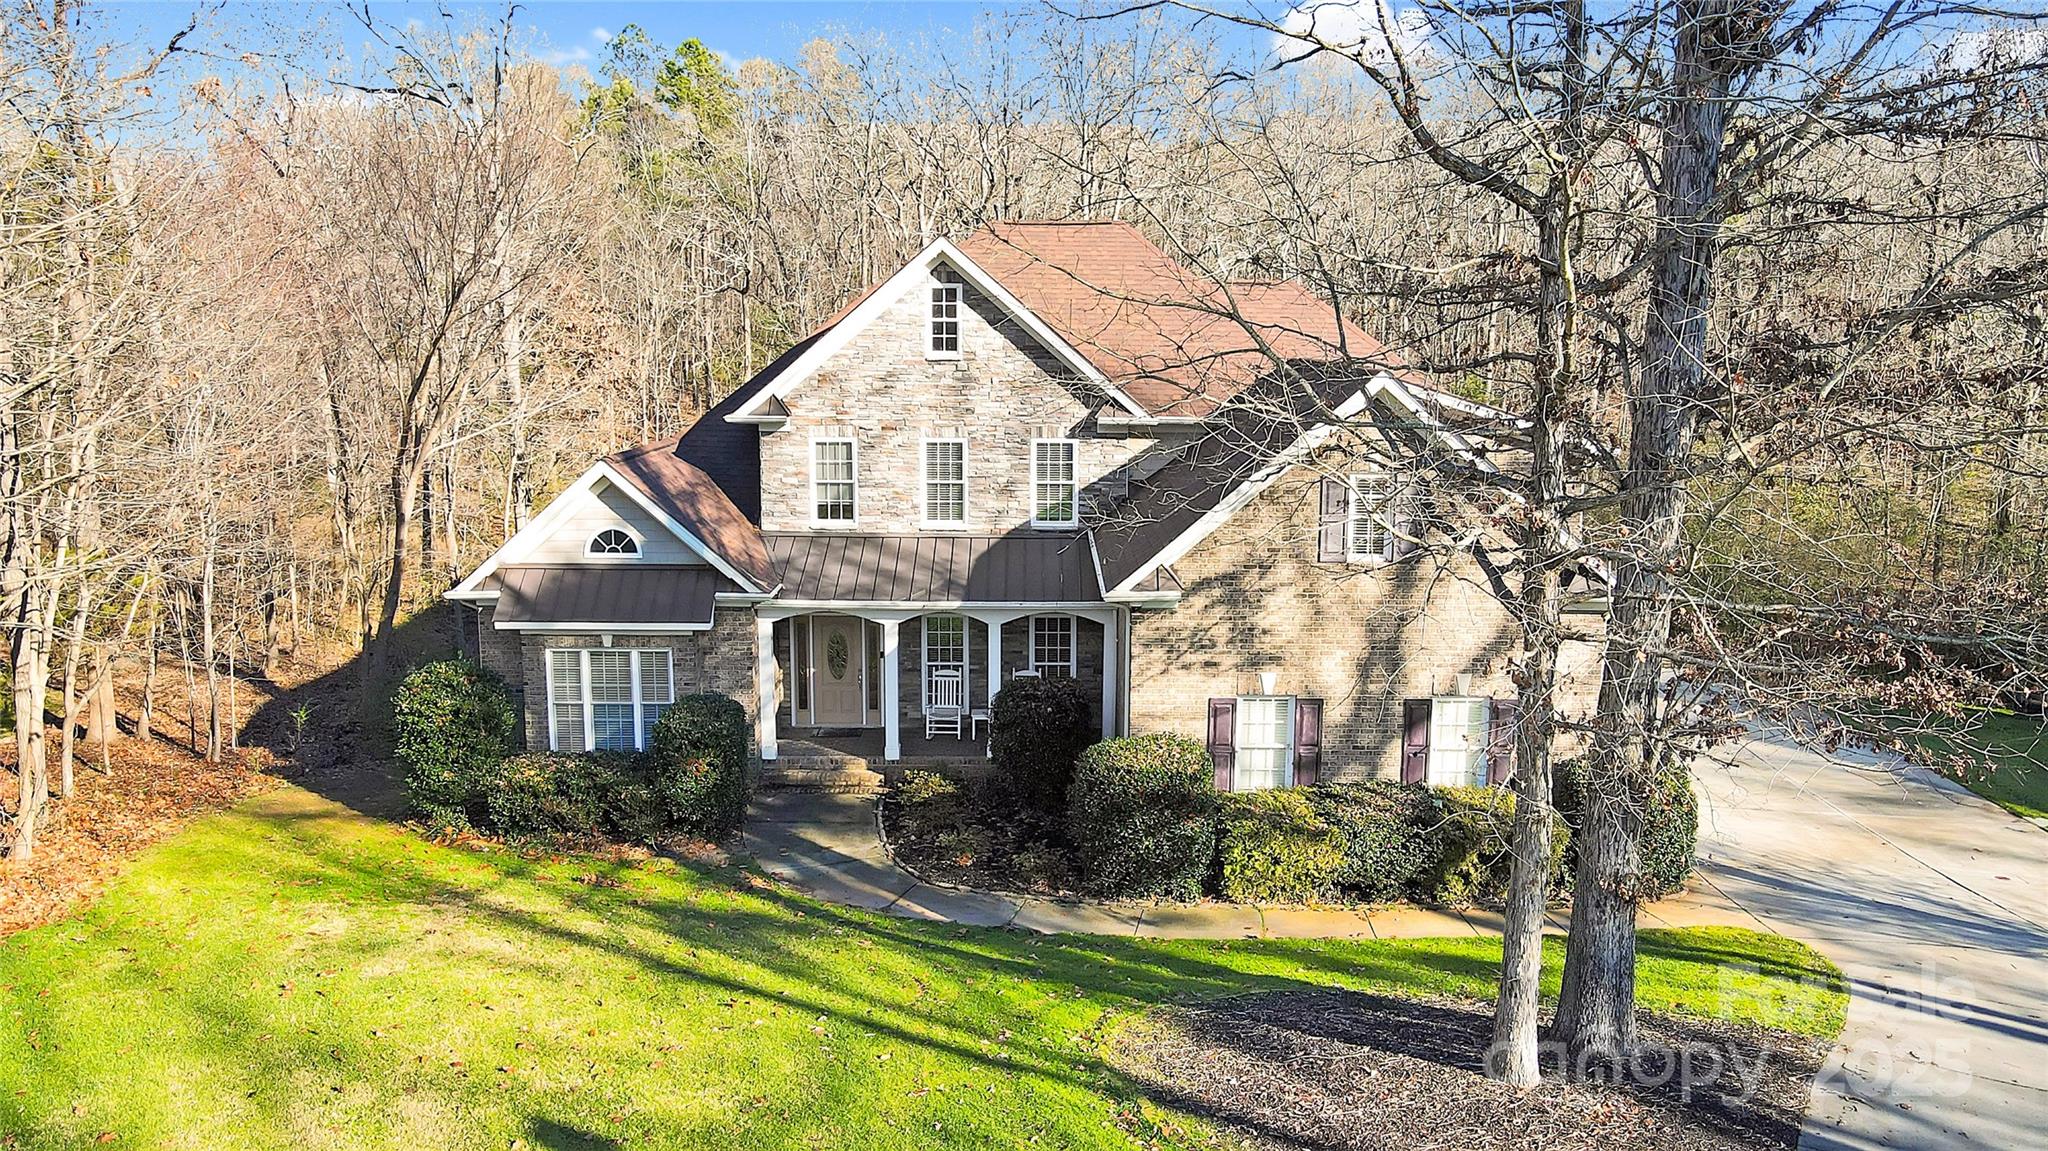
(145, 715)
(1596, 1011)
(67, 784)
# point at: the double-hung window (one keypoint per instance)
(945, 322)
(1055, 495)
(1265, 742)
(945, 482)
(1052, 645)
(1457, 741)
(945, 649)
(1369, 534)
(606, 699)
(834, 489)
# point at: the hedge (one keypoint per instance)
(1469, 857)
(556, 798)
(1668, 836)
(1385, 831)
(452, 723)
(1273, 848)
(1038, 728)
(1141, 815)
(697, 763)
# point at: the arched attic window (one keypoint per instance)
(613, 542)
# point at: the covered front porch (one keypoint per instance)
(860, 678)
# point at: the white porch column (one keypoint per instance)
(765, 683)
(1112, 646)
(892, 739)
(995, 662)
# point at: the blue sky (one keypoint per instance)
(573, 31)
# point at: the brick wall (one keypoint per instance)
(881, 391)
(1361, 638)
(720, 660)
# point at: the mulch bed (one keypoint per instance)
(156, 788)
(1338, 1069)
(978, 837)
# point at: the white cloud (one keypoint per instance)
(1990, 48)
(1354, 27)
(601, 34)
(557, 57)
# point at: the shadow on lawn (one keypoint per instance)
(342, 751)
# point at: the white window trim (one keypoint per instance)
(588, 705)
(1286, 737)
(959, 291)
(1483, 776)
(924, 679)
(1388, 518)
(639, 545)
(1073, 644)
(924, 490)
(854, 444)
(1031, 467)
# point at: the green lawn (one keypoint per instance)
(2000, 756)
(292, 974)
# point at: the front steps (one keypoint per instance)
(806, 766)
(809, 767)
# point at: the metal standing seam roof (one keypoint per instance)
(1039, 567)
(605, 593)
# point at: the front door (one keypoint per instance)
(838, 672)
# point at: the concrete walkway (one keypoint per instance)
(827, 845)
(1934, 902)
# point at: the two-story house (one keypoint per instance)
(1047, 450)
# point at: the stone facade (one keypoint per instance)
(1361, 638)
(881, 391)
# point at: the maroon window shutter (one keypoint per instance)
(1333, 516)
(1500, 741)
(1223, 740)
(1308, 741)
(1414, 740)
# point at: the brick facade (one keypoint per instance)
(720, 660)
(882, 392)
(1363, 639)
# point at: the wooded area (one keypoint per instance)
(291, 338)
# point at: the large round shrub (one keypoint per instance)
(1470, 855)
(697, 763)
(1273, 848)
(1668, 836)
(452, 722)
(553, 798)
(1385, 830)
(1141, 814)
(1038, 729)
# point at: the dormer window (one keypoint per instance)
(945, 320)
(612, 542)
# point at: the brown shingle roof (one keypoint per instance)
(690, 497)
(1175, 341)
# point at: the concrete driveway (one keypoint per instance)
(1934, 902)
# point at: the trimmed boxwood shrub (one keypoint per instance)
(452, 723)
(1141, 814)
(1669, 834)
(1385, 831)
(554, 798)
(1273, 848)
(1038, 728)
(1469, 857)
(697, 763)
